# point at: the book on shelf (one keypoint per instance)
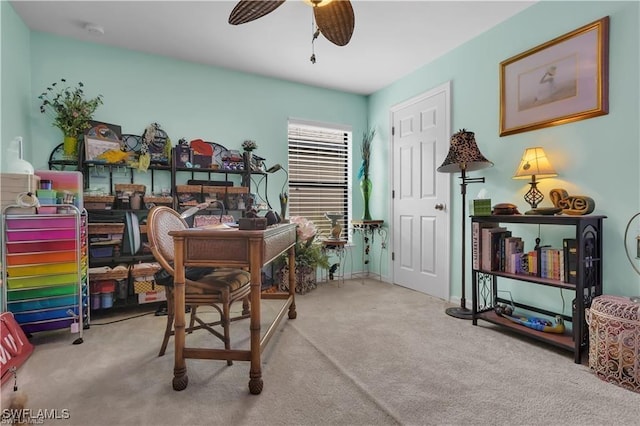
(570, 251)
(514, 246)
(543, 258)
(532, 262)
(552, 263)
(476, 241)
(511, 246)
(487, 246)
(497, 249)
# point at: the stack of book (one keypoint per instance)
(494, 248)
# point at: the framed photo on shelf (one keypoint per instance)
(95, 147)
(558, 82)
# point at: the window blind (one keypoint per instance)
(320, 174)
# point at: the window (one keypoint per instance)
(320, 173)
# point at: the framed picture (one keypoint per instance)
(94, 147)
(100, 130)
(558, 82)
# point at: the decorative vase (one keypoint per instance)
(70, 147)
(336, 228)
(365, 188)
(283, 210)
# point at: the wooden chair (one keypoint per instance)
(220, 288)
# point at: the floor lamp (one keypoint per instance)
(464, 156)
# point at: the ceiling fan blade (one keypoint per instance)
(250, 10)
(336, 21)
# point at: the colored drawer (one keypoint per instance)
(41, 235)
(32, 305)
(41, 223)
(34, 293)
(53, 280)
(42, 269)
(46, 257)
(44, 326)
(22, 317)
(38, 246)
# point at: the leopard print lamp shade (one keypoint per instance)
(464, 154)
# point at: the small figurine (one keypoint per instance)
(540, 324)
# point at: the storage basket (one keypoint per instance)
(98, 202)
(129, 195)
(189, 195)
(145, 269)
(106, 228)
(614, 340)
(144, 284)
(119, 272)
(158, 200)
(143, 280)
(129, 187)
(203, 221)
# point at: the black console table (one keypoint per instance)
(588, 284)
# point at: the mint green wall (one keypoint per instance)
(15, 84)
(188, 100)
(597, 157)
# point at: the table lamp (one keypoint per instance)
(534, 164)
(464, 156)
(284, 197)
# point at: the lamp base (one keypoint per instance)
(459, 312)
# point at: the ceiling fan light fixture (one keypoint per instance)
(317, 3)
(334, 18)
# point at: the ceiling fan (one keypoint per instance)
(334, 18)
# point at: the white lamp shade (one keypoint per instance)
(534, 162)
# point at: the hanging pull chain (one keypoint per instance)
(316, 32)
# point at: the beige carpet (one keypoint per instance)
(364, 353)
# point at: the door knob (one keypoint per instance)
(439, 206)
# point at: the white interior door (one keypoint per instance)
(420, 142)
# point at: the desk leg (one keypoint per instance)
(255, 373)
(180, 378)
(292, 283)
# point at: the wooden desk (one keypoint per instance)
(237, 249)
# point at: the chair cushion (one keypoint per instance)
(191, 273)
(221, 278)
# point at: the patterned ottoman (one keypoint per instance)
(614, 340)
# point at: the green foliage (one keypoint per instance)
(310, 254)
(308, 248)
(70, 110)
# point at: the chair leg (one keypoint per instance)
(226, 322)
(168, 330)
(245, 306)
(193, 318)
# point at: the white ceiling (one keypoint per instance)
(391, 38)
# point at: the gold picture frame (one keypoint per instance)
(558, 82)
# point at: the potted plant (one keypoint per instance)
(309, 256)
(71, 112)
(249, 145)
